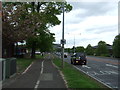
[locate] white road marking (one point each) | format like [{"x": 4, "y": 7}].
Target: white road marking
[
  {"x": 42, "y": 68},
  {"x": 106, "y": 73},
  {"x": 102, "y": 73},
  {"x": 93, "y": 77},
  {"x": 36, "y": 86},
  {"x": 93, "y": 73},
  {"x": 111, "y": 72},
  {"x": 41, "y": 72},
  {"x": 38, "y": 82},
  {"x": 86, "y": 66},
  {"x": 27, "y": 68},
  {"x": 111, "y": 65}
]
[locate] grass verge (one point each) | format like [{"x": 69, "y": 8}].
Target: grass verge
[
  {"x": 23, "y": 63},
  {"x": 75, "y": 78},
  {"x": 39, "y": 57}
]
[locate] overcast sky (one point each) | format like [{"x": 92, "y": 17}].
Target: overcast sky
[{"x": 89, "y": 22}]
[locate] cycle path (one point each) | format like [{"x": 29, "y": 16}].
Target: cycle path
[{"x": 41, "y": 74}]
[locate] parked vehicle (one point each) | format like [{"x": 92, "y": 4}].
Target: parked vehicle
[
  {"x": 37, "y": 53},
  {"x": 79, "y": 58}
]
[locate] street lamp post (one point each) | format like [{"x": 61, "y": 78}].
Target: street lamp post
[{"x": 74, "y": 40}]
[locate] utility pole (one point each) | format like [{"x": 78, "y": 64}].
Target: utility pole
[
  {"x": 119, "y": 18},
  {"x": 63, "y": 38}
]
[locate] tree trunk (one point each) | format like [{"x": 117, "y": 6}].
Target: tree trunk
[
  {"x": 8, "y": 50},
  {"x": 33, "y": 50}
]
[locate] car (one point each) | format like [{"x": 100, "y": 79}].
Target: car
[
  {"x": 79, "y": 58},
  {"x": 37, "y": 53}
]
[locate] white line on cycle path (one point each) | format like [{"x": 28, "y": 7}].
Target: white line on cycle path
[{"x": 41, "y": 72}]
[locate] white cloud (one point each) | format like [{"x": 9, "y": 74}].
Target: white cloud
[{"x": 101, "y": 25}]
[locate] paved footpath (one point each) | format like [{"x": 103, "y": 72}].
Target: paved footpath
[{"x": 41, "y": 74}]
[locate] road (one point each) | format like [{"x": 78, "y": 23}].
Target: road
[{"x": 105, "y": 70}]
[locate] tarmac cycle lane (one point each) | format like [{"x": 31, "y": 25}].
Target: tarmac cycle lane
[{"x": 41, "y": 74}]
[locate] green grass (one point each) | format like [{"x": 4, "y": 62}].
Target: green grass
[
  {"x": 39, "y": 57},
  {"x": 75, "y": 78},
  {"x": 23, "y": 63}
]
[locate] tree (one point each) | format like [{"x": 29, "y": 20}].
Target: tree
[
  {"x": 43, "y": 41},
  {"x": 89, "y": 50},
  {"x": 80, "y": 49},
  {"x": 46, "y": 44},
  {"x": 49, "y": 12},
  {"x": 17, "y": 26},
  {"x": 24, "y": 20},
  {"x": 102, "y": 49},
  {"x": 116, "y": 46},
  {"x": 68, "y": 50},
  {"x": 17, "y": 22}
]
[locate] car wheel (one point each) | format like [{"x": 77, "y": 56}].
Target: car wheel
[{"x": 84, "y": 63}]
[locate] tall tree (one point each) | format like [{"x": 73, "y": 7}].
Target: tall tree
[
  {"x": 17, "y": 25},
  {"x": 24, "y": 20},
  {"x": 116, "y": 46},
  {"x": 102, "y": 49},
  {"x": 89, "y": 50},
  {"x": 80, "y": 49},
  {"x": 49, "y": 12}
]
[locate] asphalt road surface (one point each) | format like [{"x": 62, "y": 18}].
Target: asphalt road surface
[
  {"x": 105, "y": 70},
  {"x": 41, "y": 74}
]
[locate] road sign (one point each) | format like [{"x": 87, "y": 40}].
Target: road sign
[{"x": 63, "y": 41}]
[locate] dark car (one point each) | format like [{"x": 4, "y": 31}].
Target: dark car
[{"x": 79, "y": 58}]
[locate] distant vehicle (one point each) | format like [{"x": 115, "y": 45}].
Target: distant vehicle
[
  {"x": 79, "y": 58},
  {"x": 58, "y": 53},
  {"x": 37, "y": 52}
]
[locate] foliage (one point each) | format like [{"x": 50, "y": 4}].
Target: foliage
[
  {"x": 46, "y": 43},
  {"x": 80, "y": 49},
  {"x": 42, "y": 41},
  {"x": 23, "y": 21},
  {"x": 89, "y": 50},
  {"x": 17, "y": 23},
  {"x": 68, "y": 50},
  {"x": 116, "y": 46},
  {"x": 49, "y": 12},
  {"x": 102, "y": 49}
]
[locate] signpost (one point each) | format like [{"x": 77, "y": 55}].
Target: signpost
[{"x": 63, "y": 40}]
